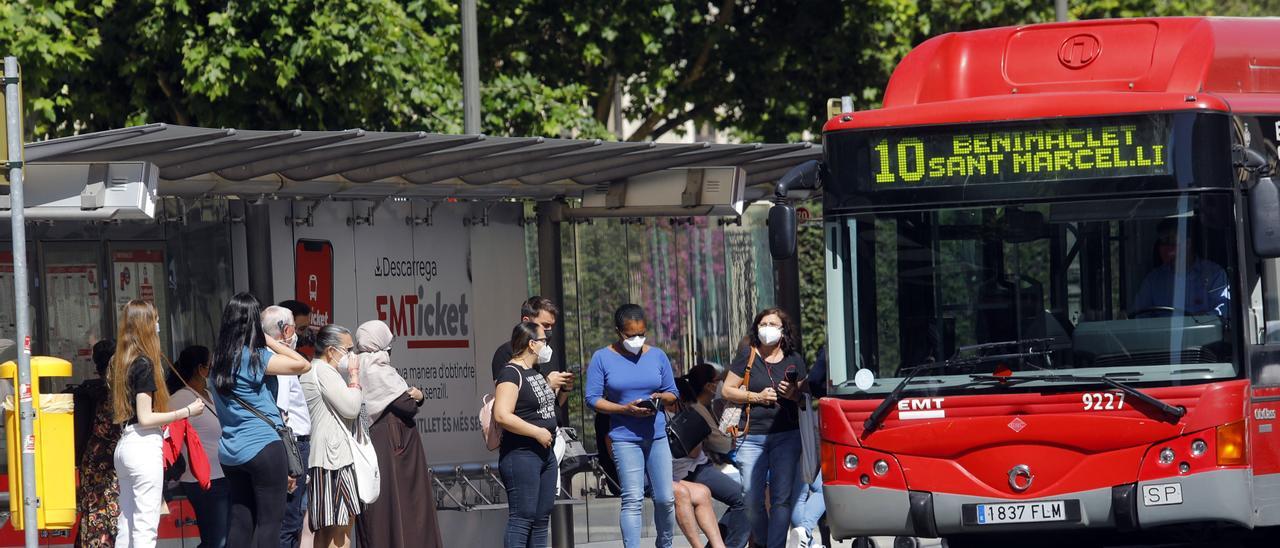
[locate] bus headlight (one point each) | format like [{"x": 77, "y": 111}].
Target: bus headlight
[
  {"x": 1166, "y": 456},
  {"x": 850, "y": 461},
  {"x": 1198, "y": 448},
  {"x": 881, "y": 468}
]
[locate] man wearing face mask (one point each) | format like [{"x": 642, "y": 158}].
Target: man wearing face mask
[
  {"x": 278, "y": 322},
  {"x": 1183, "y": 282},
  {"x": 542, "y": 311}
]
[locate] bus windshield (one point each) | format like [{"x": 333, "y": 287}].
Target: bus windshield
[{"x": 1138, "y": 289}]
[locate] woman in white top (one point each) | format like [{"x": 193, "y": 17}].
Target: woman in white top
[
  {"x": 334, "y": 405},
  {"x": 698, "y": 480},
  {"x": 212, "y": 507}
]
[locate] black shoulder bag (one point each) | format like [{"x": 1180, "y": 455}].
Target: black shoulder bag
[
  {"x": 685, "y": 430},
  {"x": 296, "y": 466}
]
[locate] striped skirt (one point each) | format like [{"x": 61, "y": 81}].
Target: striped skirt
[{"x": 333, "y": 497}]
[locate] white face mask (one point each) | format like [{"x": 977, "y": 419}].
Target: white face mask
[
  {"x": 343, "y": 361},
  {"x": 292, "y": 342},
  {"x": 157, "y": 328},
  {"x": 544, "y": 353},
  {"x": 769, "y": 334},
  {"x": 633, "y": 344}
]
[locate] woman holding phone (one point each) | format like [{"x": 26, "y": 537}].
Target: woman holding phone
[
  {"x": 524, "y": 406},
  {"x": 771, "y": 448},
  {"x": 629, "y": 380}
]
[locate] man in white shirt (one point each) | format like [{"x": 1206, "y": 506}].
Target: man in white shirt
[{"x": 283, "y": 324}]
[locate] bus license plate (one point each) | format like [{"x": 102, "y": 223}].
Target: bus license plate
[{"x": 1021, "y": 512}]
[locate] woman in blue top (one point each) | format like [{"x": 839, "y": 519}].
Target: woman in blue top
[
  {"x": 252, "y": 455},
  {"x": 623, "y": 380}
]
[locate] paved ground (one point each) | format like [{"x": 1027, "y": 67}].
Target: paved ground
[{"x": 596, "y": 526}]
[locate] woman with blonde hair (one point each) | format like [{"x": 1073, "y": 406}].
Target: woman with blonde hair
[{"x": 139, "y": 401}]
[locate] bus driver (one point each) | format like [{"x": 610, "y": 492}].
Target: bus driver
[{"x": 1205, "y": 290}]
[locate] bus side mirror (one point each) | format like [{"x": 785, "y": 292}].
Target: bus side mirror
[
  {"x": 782, "y": 231},
  {"x": 1264, "y": 218},
  {"x": 782, "y": 216}
]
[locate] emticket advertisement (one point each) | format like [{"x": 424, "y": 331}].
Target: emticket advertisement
[{"x": 417, "y": 280}]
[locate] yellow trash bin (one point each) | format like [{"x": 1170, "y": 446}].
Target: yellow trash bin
[{"x": 54, "y": 447}]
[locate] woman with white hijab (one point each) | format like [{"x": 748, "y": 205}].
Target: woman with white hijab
[{"x": 405, "y": 512}]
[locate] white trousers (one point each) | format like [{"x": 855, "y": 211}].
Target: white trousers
[{"x": 139, "y": 461}]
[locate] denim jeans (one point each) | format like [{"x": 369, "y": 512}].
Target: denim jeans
[
  {"x": 634, "y": 459},
  {"x": 728, "y": 491},
  {"x": 213, "y": 508},
  {"x": 809, "y": 505},
  {"x": 769, "y": 460},
  {"x": 295, "y": 502},
  {"x": 530, "y": 478}
]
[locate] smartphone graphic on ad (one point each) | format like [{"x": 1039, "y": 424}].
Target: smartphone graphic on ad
[{"x": 313, "y": 279}]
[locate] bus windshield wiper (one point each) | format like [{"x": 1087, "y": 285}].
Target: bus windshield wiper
[
  {"x": 1175, "y": 411},
  {"x": 878, "y": 415},
  {"x": 881, "y": 410}
]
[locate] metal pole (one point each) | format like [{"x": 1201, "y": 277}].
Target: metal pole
[
  {"x": 26, "y": 423},
  {"x": 257, "y": 228},
  {"x": 470, "y": 70},
  {"x": 787, "y": 287},
  {"x": 1060, "y": 10},
  {"x": 551, "y": 278}
]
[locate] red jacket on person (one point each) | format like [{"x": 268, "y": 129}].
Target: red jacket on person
[{"x": 181, "y": 433}]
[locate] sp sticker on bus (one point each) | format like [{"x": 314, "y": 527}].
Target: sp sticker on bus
[{"x": 921, "y": 408}]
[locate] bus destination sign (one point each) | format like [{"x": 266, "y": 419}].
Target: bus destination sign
[{"x": 1044, "y": 151}]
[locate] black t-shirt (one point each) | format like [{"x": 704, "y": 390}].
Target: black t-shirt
[
  {"x": 502, "y": 356},
  {"x": 141, "y": 379},
  {"x": 535, "y": 403},
  {"x": 783, "y": 416}
]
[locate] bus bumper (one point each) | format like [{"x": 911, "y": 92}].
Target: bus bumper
[{"x": 1214, "y": 496}]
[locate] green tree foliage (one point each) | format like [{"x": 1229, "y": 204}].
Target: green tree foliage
[
  {"x": 763, "y": 69},
  {"x": 314, "y": 64}
]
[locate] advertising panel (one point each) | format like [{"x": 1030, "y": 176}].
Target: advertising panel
[
  {"x": 140, "y": 274},
  {"x": 74, "y": 324},
  {"x": 423, "y": 293},
  {"x": 360, "y": 261}
]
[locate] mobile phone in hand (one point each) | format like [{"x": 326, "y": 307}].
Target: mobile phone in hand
[
  {"x": 791, "y": 376},
  {"x": 650, "y": 404}
]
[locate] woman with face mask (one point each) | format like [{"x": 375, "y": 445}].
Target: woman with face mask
[
  {"x": 140, "y": 401},
  {"x": 405, "y": 512},
  {"x": 771, "y": 448},
  {"x": 524, "y": 406},
  {"x": 334, "y": 404},
  {"x": 630, "y": 381}
]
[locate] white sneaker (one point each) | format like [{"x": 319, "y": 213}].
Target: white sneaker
[{"x": 799, "y": 537}]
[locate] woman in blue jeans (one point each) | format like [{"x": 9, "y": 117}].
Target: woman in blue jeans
[
  {"x": 624, "y": 380},
  {"x": 769, "y": 453},
  {"x": 525, "y": 407}
]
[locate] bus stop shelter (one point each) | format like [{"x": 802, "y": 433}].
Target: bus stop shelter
[{"x": 256, "y": 169}]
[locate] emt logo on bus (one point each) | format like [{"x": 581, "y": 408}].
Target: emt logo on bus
[{"x": 1044, "y": 151}]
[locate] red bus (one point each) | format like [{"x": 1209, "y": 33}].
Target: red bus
[{"x": 1053, "y": 285}]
